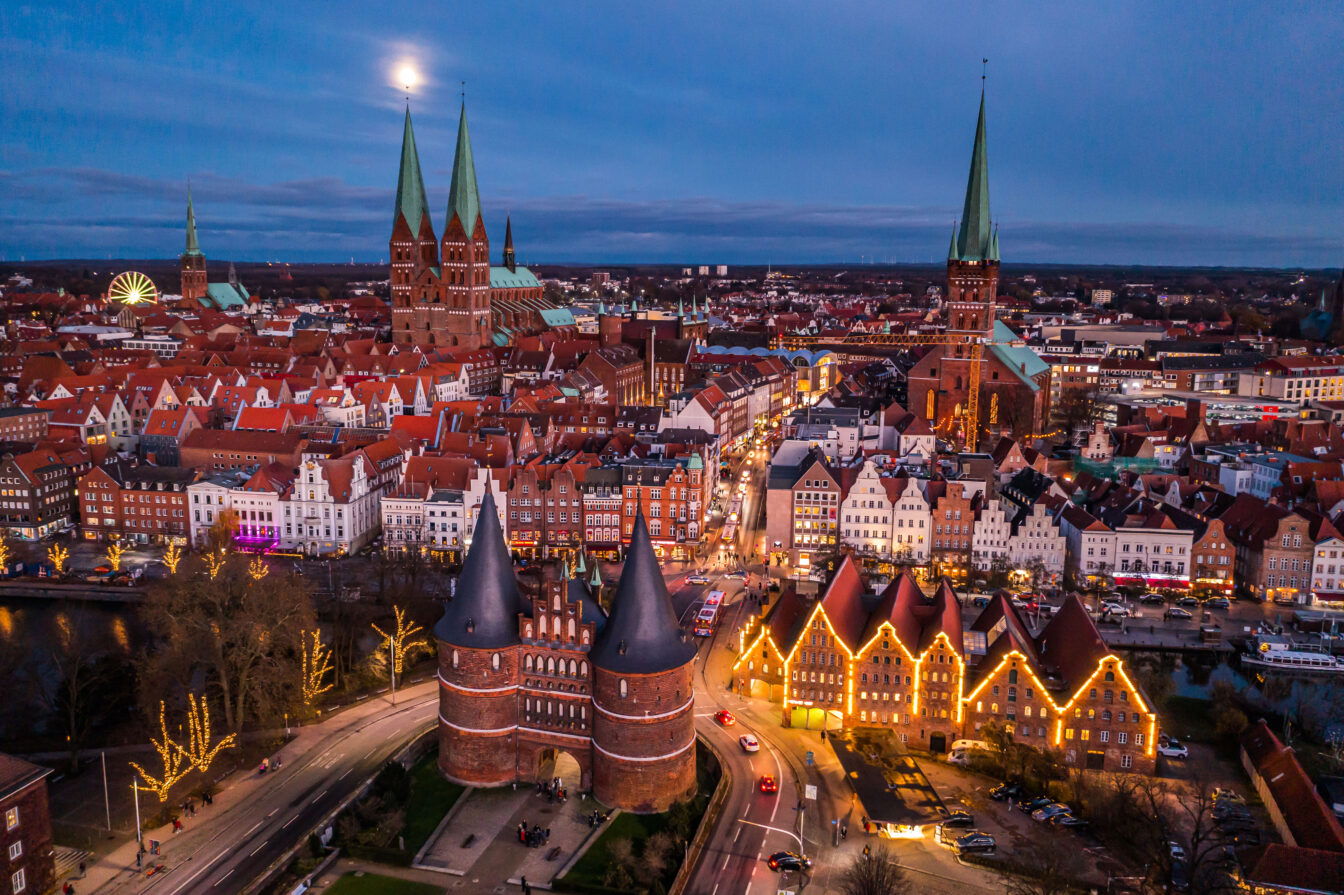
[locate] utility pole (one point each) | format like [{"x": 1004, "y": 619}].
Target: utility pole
[
  {"x": 107, "y": 799},
  {"x": 392, "y": 655},
  {"x": 139, "y": 838}
]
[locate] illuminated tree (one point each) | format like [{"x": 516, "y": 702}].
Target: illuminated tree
[
  {"x": 5, "y": 552},
  {"x": 200, "y": 750},
  {"x": 403, "y": 640},
  {"x": 172, "y": 558},
  {"x": 115, "y": 551},
  {"x": 215, "y": 561},
  {"x": 58, "y": 556},
  {"x": 257, "y": 569},
  {"x": 173, "y": 760},
  {"x": 314, "y": 666}
]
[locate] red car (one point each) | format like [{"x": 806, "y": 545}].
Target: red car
[
  {"x": 769, "y": 784},
  {"x": 725, "y": 718}
]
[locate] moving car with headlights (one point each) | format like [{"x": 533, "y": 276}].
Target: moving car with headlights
[{"x": 749, "y": 743}]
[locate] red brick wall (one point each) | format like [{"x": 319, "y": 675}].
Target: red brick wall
[
  {"x": 34, "y": 831},
  {"x": 467, "y": 756},
  {"x": 634, "y": 784}
]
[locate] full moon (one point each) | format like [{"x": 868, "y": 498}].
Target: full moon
[{"x": 408, "y": 76}]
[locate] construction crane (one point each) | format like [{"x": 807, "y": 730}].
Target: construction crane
[{"x": 975, "y": 354}]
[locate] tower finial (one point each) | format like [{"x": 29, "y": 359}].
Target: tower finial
[{"x": 984, "y": 72}]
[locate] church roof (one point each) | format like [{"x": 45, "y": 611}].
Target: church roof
[
  {"x": 464, "y": 200},
  {"x": 483, "y": 613},
  {"x": 557, "y": 316},
  {"x": 193, "y": 247},
  {"x": 227, "y": 295},
  {"x": 411, "y": 202},
  {"x": 519, "y": 278},
  {"x": 642, "y": 635},
  {"x": 975, "y": 237}
]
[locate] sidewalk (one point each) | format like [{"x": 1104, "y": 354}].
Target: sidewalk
[
  {"x": 488, "y": 861},
  {"x": 116, "y": 871}
]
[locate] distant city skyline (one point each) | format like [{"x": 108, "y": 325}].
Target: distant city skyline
[{"x": 780, "y": 133}]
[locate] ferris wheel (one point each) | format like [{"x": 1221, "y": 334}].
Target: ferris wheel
[{"x": 132, "y": 288}]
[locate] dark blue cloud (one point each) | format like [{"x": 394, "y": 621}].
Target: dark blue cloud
[{"x": 1204, "y": 133}]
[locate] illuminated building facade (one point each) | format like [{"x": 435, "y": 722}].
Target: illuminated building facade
[{"x": 903, "y": 660}]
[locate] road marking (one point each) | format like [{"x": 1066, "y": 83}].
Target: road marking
[
  {"x": 224, "y": 877},
  {"x": 257, "y": 849},
  {"x": 253, "y": 830},
  {"x": 319, "y": 795},
  {"x": 343, "y": 776},
  {"x": 288, "y": 822},
  {"x": 272, "y": 814},
  {"x": 738, "y": 836},
  {"x": 724, "y": 865},
  {"x": 776, "y": 829},
  {"x": 715, "y": 890}
]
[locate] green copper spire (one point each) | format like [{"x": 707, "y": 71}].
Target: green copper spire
[
  {"x": 193, "y": 247},
  {"x": 952, "y": 254},
  {"x": 463, "y": 198},
  {"x": 681, "y": 307},
  {"x": 973, "y": 240},
  {"x": 580, "y": 567},
  {"x": 596, "y": 581},
  {"x": 411, "y": 202},
  {"x": 994, "y": 245}
]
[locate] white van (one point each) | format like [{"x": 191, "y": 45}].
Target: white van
[{"x": 961, "y": 750}]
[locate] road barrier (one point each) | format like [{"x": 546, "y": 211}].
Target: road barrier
[{"x": 707, "y": 823}]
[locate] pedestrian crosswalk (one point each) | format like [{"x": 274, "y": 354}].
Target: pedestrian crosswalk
[{"x": 68, "y": 861}]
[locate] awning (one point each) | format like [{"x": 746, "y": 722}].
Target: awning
[{"x": 1159, "y": 581}]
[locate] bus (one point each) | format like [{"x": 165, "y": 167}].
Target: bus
[{"x": 708, "y": 618}]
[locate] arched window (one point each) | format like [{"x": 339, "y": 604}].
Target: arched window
[
  {"x": 550, "y": 665},
  {"x": 527, "y": 663},
  {"x": 585, "y": 636},
  {"x": 573, "y": 668},
  {"x": 541, "y": 622},
  {"x": 527, "y": 630},
  {"x": 623, "y": 688},
  {"x": 454, "y": 658},
  {"x": 583, "y": 669},
  {"x": 571, "y": 629},
  {"x": 494, "y": 662}
]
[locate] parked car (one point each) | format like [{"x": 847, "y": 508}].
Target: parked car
[
  {"x": 749, "y": 743},
  {"x": 1005, "y": 791},
  {"x": 1155, "y": 599},
  {"x": 697, "y": 578},
  {"x": 1028, "y": 804},
  {"x": 1115, "y": 610},
  {"x": 1177, "y": 851},
  {"x": 1041, "y": 815},
  {"x": 1218, "y": 603},
  {"x": 768, "y": 784},
  {"x": 789, "y": 860},
  {"x": 1177, "y": 612},
  {"x": 960, "y": 819},
  {"x": 1068, "y": 821},
  {"x": 725, "y": 717},
  {"x": 1173, "y": 748},
  {"x": 976, "y": 842},
  {"x": 1180, "y": 876},
  {"x": 1188, "y": 601},
  {"x": 980, "y": 602}
]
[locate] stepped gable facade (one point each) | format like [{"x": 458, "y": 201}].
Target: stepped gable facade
[
  {"x": 523, "y": 680},
  {"x": 904, "y": 660}
]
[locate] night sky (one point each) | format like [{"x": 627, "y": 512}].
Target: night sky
[{"x": 737, "y": 132}]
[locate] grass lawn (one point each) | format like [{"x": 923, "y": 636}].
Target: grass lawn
[
  {"x": 431, "y": 797},
  {"x": 1187, "y": 718},
  {"x": 591, "y": 868},
  {"x": 373, "y": 884}
]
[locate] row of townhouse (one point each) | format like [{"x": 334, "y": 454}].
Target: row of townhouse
[
  {"x": 902, "y": 660},
  {"x": 888, "y": 512}
]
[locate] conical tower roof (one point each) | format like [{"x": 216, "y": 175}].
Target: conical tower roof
[
  {"x": 952, "y": 253},
  {"x": 464, "y": 200},
  {"x": 411, "y": 202},
  {"x": 193, "y": 246},
  {"x": 642, "y": 635},
  {"x": 483, "y": 613},
  {"x": 510, "y": 259},
  {"x": 973, "y": 239}
]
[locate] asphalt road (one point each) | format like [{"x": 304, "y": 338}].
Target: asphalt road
[{"x": 240, "y": 844}]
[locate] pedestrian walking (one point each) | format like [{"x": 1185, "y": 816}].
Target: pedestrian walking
[
  {"x": 139, "y": 858},
  {"x": 81, "y": 869},
  {"x": 527, "y": 890},
  {"x": 844, "y": 831}
]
